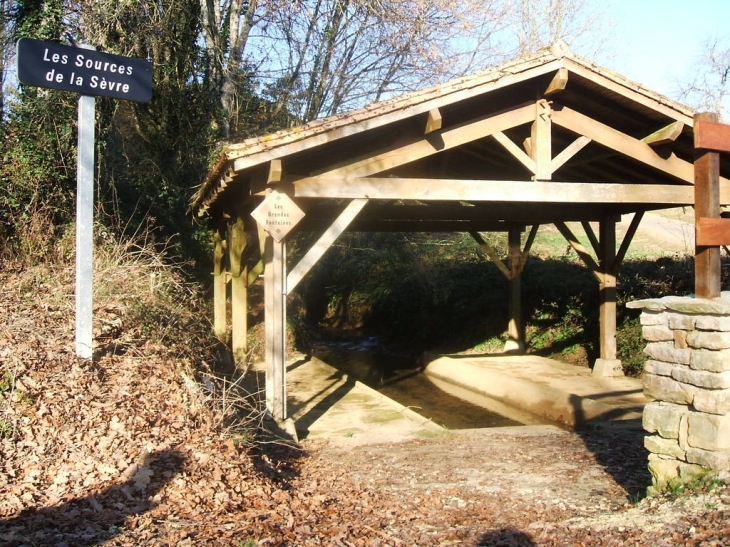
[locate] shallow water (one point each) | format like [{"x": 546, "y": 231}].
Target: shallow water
[{"x": 397, "y": 377}]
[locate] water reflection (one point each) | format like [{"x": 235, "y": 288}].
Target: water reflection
[{"x": 400, "y": 378}]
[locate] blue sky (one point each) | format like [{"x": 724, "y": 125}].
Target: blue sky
[{"x": 658, "y": 42}]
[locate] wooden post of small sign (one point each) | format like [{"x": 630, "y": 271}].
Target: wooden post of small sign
[{"x": 85, "y": 224}]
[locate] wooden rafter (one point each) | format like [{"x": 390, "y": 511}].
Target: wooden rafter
[
  {"x": 384, "y": 160},
  {"x": 666, "y": 134},
  {"x": 558, "y": 83},
  {"x": 622, "y": 143}
]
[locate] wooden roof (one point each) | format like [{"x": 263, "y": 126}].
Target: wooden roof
[{"x": 549, "y": 137}]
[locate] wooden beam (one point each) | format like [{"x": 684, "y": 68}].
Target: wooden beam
[
  {"x": 324, "y": 243},
  {"x": 622, "y": 143},
  {"x": 515, "y": 150},
  {"x": 607, "y": 291},
  {"x": 541, "y": 141},
  {"x": 275, "y": 172},
  {"x": 239, "y": 290},
  {"x": 664, "y": 135},
  {"x": 708, "y": 278},
  {"x": 515, "y": 333},
  {"x": 626, "y": 241},
  {"x": 220, "y": 305},
  {"x": 569, "y": 151},
  {"x": 711, "y": 232},
  {"x": 711, "y": 135},
  {"x": 491, "y": 190},
  {"x": 590, "y": 234},
  {"x": 390, "y": 158},
  {"x": 528, "y": 246},
  {"x": 492, "y": 254},
  {"x": 580, "y": 250},
  {"x": 275, "y": 328},
  {"x": 558, "y": 83},
  {"x": 434, "y": 121}
]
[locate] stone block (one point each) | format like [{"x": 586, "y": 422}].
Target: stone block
[
  {"x": 689, "y": 472},
  {"x": 680, "y": 339},
  {"x": 702, "y": 378},
  {"x": 713, "y": 322},
  {"x": 708, "y": 431},
  {"x": 662, "y": 471},
  {"x": 717, "y": 461},
  {"x": 716, "y": 401},
  {"x": 684, "y": 432},
  {"x": 667, "y": 389},
  {"x": 666, "y": 447},
  {"x": 663, "y": 418},
  {"x": 649, "y": 317},
  {"x": 659, "y": 368},
  {"x": 709, "y": 340},
  {"x": 657, "y": 333},
  {"x": 712, "y": 360},
  {"x": 680, "y": 321},
  {"x": 665, "y": 351}
]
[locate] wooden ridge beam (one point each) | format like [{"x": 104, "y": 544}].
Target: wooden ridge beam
[{"x": 558, "y": 83}]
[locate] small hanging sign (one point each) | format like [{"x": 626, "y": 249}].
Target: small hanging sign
[{"x": 277, "y": 214}]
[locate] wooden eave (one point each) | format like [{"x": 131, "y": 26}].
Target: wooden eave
[{"x": 462, "y": 152}]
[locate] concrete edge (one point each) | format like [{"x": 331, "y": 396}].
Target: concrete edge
[{"x": 544, "y": 401}]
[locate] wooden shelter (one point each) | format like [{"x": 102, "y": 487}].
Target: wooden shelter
[{"x": 548, "y": 139}]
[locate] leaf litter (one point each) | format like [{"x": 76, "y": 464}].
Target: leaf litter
[{"x": 124, "y": 451}]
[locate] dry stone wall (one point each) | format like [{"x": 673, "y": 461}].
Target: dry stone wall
[{"x": 687, "y": 374}]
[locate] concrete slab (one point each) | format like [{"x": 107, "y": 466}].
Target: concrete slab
[
  {"x": 559, "y": 392},
  {"x": 326, "y": 403}
]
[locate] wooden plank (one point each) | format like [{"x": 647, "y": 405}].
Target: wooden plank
[
  {"x": 569, "y": 151},
  {"x": 324, "y": 242},
  {"x": 515, "y": 150},
  {"x": 711, "y": 232},
  {"x": 711, "y": 135},
  {"x": 622, "y": 143},
  {"x": 664, "y": 135},
  {"x": 590, "y": 234},
  {"x": 541, "y": 141},
  {"x": 582, "y": 252},
  {"x": 390, "y": 158},
  {"x": 434, "y": 121},
  {"x": 707, "y": 205},
  {"x": 492, "y": 254},
  {"x": 491, "y": 190},
  {"x": 558, "y": 83}
]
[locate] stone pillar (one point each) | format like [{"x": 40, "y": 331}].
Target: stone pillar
[{"x": 688, "y": 376}]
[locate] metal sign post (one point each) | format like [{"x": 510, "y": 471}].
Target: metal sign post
[
  {"x": 85, "y": 225},
  {"x": 90, "y": 73}
]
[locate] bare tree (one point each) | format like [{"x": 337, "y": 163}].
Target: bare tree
[
  {"x": 709, "y": 88},
  {"x": 536, "y": 24}
]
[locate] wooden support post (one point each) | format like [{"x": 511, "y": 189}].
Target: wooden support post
[
  {"x": 275, "y": 328},
  {"x": 607, "y": 364},
  {"x": 516, "y": 338},
  {"x": 707, "y": 205},
  {"x": 239, "y": 291},
  {"x": 541, "y": 141},
  {"x": 220, "y": 306}
]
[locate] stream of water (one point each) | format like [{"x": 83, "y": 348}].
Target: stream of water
[{"x": 398, "y": 377}]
